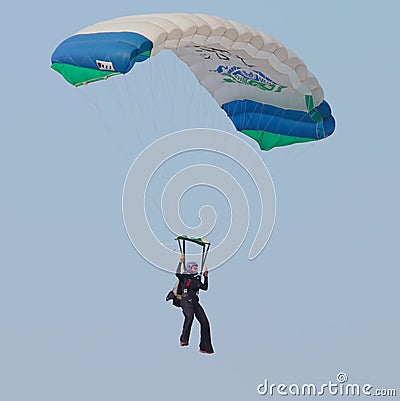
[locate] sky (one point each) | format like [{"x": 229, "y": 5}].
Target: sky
[{"x": 83, "y": 315}]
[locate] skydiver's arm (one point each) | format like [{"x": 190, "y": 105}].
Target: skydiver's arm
[
  {"x": 178, "y": 269},
  {"x": 204, "y": 286}
]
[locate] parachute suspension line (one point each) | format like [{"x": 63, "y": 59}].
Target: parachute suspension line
[
  {"x": 196, "y": 96},
  {"x": 184, "y": 254},
  {"x": 140, "y": 97},
  {"x": 114, "y": 95},
  {"x": 182, "y": 250},
  {"x": 162, "y": 97},
  {"x": 206, "y": 247},
  {"x": 151, "y": 82},
  {"x": 95, "y": 102},
  {"x": 91, "y": 93},
  {"x": 132, "y": 106},
  {"x": 173, "y": 112},
  {"x": 179, "y": 120},
  {"x": 197, "y": 114},
  {"x": 201, "y": 112},
  {"x": 143, "y": 87},
  {"x": 134, "y": 87}
]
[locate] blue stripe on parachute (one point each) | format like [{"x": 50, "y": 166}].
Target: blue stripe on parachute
[
  {"x": 250, "y": 115},
  {"x": 123, "y": 49}
]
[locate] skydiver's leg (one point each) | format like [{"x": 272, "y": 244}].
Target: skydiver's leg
[
  {"x": 205, "y": 332},
  {"x": 188, "y": 312}
]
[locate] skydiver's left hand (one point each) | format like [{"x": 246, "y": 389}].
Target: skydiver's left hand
[{"x": 205, "y": 274}]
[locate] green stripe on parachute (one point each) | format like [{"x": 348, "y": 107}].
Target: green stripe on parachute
[
  {"x": 78, "y": 76},
  {"x": 268, "y": 140}
]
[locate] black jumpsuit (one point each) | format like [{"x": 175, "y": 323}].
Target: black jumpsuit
[{"x": 189, "y": 285}]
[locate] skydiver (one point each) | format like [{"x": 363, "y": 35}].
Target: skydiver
[{"x": 188, "y": 288}]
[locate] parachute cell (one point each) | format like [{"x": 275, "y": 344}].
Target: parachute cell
[{"x": 264, "y": 88}]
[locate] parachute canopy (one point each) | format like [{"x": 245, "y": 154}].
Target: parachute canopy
[{"x": 263, "y": 87}]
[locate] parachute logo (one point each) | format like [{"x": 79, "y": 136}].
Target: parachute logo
[
  {"x": 251, "y": 78},
  {"x": 209, "y": 52},
  {"x": 105, "y": 65}
]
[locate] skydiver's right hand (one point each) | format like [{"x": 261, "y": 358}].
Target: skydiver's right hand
[{"x": 181, "y": 258}]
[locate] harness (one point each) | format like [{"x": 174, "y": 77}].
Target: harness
[{"x": 187, "y": 286}]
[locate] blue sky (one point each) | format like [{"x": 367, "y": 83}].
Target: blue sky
[{"x": 83, "y": 315}]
